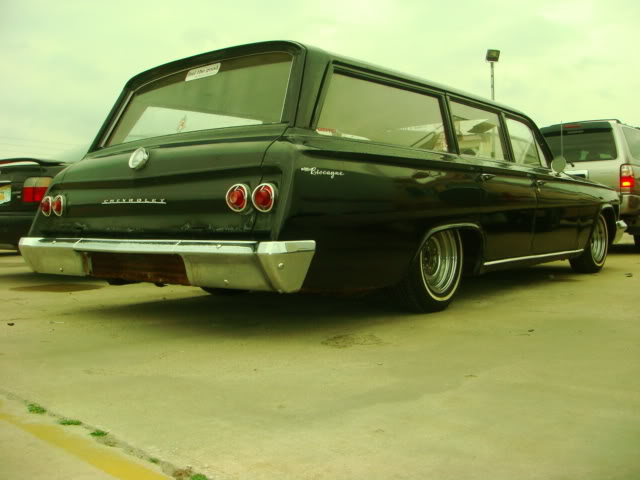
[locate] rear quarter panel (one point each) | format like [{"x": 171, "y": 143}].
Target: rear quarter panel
[{"x": 368, "y": 212}]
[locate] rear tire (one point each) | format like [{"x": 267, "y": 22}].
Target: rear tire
[
  {"x": 636, "y": 239},
  {"x": 592, "y": 259},
  {"x": 434, "y": 275}
]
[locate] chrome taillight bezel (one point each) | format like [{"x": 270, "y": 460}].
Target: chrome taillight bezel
[
  {"x": 269, "y": 186},
  {"x": 62, "y": 205},
  {"x": 246, "y": 193},
  {"x": 46, "y": 200}
]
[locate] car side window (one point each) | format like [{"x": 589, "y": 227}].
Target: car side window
[
  {"x": 478, "y": 131},
  {"x": 633, "y": 140},
  {"x": 523, "y": 143},
  {"x": 366, "y": 110}
]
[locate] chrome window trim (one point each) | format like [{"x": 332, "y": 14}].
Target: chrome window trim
[{"x": 116, "y": 119}]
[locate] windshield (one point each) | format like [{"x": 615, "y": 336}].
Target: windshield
[
  {"x": 241, "y": 91},
  {"x": 583, "y": 145}
]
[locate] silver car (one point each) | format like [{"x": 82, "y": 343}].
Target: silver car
[{"x": 605, "y": 151}]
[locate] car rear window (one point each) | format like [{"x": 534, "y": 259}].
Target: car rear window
[
  {"x": 247, "y": 90},
  {"x": 583, "y": 144},
  {"x": 633, "y": 140}
]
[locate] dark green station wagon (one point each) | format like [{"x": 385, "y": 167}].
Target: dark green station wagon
[{"x": 281, "y": 167}]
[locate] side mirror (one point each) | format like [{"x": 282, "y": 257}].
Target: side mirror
[{"x": 558, "y": 164}]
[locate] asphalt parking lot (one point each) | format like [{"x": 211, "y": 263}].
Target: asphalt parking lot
[{"x": 531, "y": 374}]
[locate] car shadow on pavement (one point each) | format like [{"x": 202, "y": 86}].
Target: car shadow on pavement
[
  {"x": 624, "y": 249},
  {"x": 278, "y": 315},
  {"x": 268, "y": 313},
  {"x": 31, "y": 278},
  {"x": 501, "y": 282}
]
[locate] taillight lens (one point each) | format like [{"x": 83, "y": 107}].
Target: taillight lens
[
  {"x": 264, "y": 196},
  {"x": 627, "y": 180},
  {"x": 238, "y": 197},
  {"x": 45, "y": 206},
  {"x": 57, "y": 205},
  {"x": 34, "y": 189}
]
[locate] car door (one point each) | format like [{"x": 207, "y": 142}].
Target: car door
[
  {"x": 508, "y": 206},
  {"x": 566, "y": 206}
]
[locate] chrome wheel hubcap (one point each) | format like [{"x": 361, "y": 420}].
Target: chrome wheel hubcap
[
  {"x": 439, "y": 260},
  {"x": 599, "y": 241}
]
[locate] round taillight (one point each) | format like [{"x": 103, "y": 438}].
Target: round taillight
[
  {"x": 238, "y": 197},
  {"x": 58, "y": 205},
  {"x": 45, "y": 206},
  {"x": 264, "y": 197}
]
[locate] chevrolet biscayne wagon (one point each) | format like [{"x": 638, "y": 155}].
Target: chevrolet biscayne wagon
[{"x": 281, "y": 167}]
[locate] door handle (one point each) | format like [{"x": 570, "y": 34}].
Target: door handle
[{"x": 484, "y": 177}]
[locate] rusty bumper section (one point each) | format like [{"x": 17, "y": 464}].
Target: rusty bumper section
[{"x": 246, "y": 265}]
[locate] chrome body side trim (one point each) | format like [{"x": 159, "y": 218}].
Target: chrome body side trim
[
  {"x": 246, "y": 265},
  {"x": 447, "y": 226},
  {"x": 531, "y": 257}
]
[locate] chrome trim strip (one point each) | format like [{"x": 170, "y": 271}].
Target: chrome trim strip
[
  {"x": 531, "y": 257},
  {"x": 107, "y": 135},
  {"x": 452, "y": 225},
  {"x": 245, "y": 265},
  {"x": 446, "y": 227},
  {"x": 19, "y": 164}
]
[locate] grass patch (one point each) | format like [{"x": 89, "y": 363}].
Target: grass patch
[
  {"x": 198, "y": 476},
  {"x": 69, "y": 421},
  {"x": 99, "y": 433},
  {"x": 154, "y": 460},
  {"x": 35, "y": 408}
]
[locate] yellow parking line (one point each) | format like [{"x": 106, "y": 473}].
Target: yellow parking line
[{"x": 106, "y": 459}]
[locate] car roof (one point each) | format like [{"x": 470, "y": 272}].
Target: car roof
[{"x": 310, "y": 50}]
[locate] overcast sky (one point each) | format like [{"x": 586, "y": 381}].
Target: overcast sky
[{"x": 65, "y": 62}]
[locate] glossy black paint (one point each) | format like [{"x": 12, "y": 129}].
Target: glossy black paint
[{"x": 368, "y": 206}]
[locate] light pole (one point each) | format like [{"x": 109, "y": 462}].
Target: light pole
[{"x": 492, "y": 57}]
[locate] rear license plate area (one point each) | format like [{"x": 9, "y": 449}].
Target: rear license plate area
[
  {"x": 5, "y": 194},
  {"x": 139, "y": 267}
]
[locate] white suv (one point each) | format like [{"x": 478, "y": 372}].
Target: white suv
[{"x": 605, "y": 151}]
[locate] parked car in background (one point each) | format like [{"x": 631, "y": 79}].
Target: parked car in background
[
  {"x": 23, "y": 183},
  {"x": 608, "y": 152},
  {"x": 281, "y": 167}
]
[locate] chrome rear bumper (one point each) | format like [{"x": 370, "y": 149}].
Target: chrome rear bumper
[{"x": 245, "y": 265}]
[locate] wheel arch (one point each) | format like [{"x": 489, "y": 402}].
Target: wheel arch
[
  {"x": 609, "y": 213},
  {"x": 473, "y": 243}
]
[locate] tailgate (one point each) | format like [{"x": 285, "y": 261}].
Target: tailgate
[{"x": 179, "y": 192}]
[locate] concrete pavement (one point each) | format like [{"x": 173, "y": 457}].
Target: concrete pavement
[{"x": 531, "y": 374}]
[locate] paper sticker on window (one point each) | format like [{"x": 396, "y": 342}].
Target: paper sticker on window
[{"x": 201, "y": 72}]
